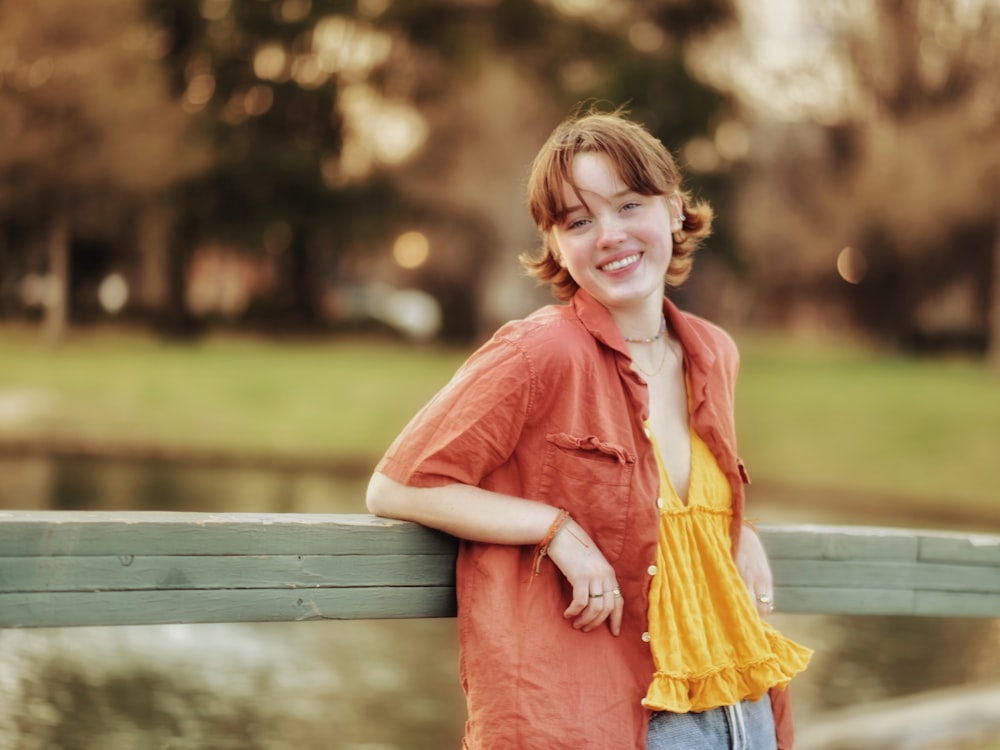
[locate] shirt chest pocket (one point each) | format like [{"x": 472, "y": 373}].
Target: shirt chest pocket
[{"x": 592, "y": 479}]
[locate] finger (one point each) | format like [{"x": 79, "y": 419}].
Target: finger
[
  {"x": 764, "y": 602},
  {"x": 593, "y": 614},
  {"x": 581, "y": 600},
  {"x": 602, "y": 606},
  {"x": 617, "y": 612}
]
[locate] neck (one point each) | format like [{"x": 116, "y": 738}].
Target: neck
[{"x": 640, "y": 324}]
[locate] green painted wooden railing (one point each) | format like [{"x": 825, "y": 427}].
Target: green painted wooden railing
[{"x": 128, "y": 568}]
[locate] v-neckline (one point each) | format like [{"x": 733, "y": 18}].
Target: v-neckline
[{"x": 684, "y": 502}]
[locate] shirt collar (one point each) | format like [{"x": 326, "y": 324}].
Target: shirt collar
[
  {"x": 597, "y": 319},
  {"x": 699, "y": 356},
  {"x": 698, "y": 353}
]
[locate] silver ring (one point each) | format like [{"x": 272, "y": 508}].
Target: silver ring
[
  {"x": 597, "y": 596},
  {"x": 765, "y": 599}
]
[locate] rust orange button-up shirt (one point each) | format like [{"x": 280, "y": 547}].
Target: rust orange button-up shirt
[{"x": 550, "y": 409}]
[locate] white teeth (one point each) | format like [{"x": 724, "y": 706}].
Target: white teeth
[{"x": 616, "y": 264}]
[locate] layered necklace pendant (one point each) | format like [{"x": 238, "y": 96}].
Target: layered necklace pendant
[
  {"x": 659, "y": 367},
  {"x": 651, "y": 340}
]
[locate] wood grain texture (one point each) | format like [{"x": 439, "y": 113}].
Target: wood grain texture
[
  {"x": 65, "y": 609},
  {"x": 124, "y": 568}
]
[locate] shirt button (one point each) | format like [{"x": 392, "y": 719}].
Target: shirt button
[
  {"x": 659, "y": 502},
  {"x": 651, "y": 570},
  {"x": 646, "y": 638}
]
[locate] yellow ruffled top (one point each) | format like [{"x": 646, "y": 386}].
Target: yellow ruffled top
[{"x": 710, "y": 646}]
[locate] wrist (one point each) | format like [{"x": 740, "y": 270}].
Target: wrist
[{"x": 561, "y": 520}]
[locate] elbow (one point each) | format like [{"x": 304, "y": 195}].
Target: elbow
[
  {"x": 378, "y": 495},
  {"x": 388, "y": 498}
]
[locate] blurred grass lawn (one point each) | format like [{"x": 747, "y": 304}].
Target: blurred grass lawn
[
  {"x": 840, "y": 417},
  {"x": 809, "y": 415}
]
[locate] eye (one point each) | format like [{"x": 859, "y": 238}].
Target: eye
[
  {"x": 575, "y": 223},
  {"x": 631, "y": 205}
]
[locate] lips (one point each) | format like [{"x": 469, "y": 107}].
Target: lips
[{"x": 620, "y": 263}]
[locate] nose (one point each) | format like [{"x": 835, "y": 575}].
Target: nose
[{"x": 612, "y": 233}]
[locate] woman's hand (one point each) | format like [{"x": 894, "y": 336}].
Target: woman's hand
[
  {"x": 751, "y": 561},
  {"x": 596, "y": 597}
]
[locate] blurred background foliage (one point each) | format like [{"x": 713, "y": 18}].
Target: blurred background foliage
[
  {"x": 293, "y": 173},
  {"x": 324, "y": 165}
]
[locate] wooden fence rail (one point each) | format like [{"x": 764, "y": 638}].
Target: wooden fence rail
[{"x": 129, "y": 568}]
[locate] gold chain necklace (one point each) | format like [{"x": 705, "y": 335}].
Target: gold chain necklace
[{"x": 654, "y": 373}]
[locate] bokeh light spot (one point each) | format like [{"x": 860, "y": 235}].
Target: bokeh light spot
[
  {"x": 199, "y": 91},
  {"x": 852, "y": 265},
  {"x": 214, "y": 10},
  {"x": 701, "y": 155},
  {"x": 258, "y": 100},
  {"x": 113, "y": 293},
  {"x": 270, "y": 62},
  {"x": 646, "y": 36},
  {"x": 411, "y": 249},
  {"x": 293, "y": 11},
  {"x": 732, "y": 140}
]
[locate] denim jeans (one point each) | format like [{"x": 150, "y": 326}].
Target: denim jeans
[{"x": 749, "y": 725}]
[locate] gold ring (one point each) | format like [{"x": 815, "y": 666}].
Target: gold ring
[
  {"x": 617, "y": 592},
  {"x": 597, "y": 596}
]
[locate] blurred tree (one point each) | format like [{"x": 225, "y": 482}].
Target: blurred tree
[
  {"x": 251, "y": 73},
  {"x": 492, "y": 79},
  {"x": 880, "y": 161},
  {"x": 926, "y": 166},
  {"x": 337, "y": 125},
  {"x": 332, "y": 126},
  {"x": 88, "y": 134}
]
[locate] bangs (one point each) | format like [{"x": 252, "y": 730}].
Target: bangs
[{"x": 641, "y": 162}]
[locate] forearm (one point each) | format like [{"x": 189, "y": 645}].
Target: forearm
[
  {"x": 462, "y": 510},
  {"x": 480, "y": 515}
]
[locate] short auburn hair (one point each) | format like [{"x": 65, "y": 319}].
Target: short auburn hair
[{"x": 642, "y": 162}]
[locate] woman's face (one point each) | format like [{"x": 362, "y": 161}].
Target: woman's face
[{"x": 615, "y": 243}]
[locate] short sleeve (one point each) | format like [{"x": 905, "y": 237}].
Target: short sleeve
[{"x": 471, "y": 426}]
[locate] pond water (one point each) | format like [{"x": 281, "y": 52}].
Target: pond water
[{"x": 352, "y": 685}]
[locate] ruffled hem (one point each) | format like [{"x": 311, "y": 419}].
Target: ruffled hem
[{"x": 730, "y": 684}]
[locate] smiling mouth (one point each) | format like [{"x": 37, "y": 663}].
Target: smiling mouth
[{"x": 617, "y": 265}]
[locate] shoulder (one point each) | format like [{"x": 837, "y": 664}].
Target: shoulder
[
  {"x": 712, "y": 332},
  {"x": 520, "y": 350},
  {"x": 552, "y": 332},
  {"x": 553, "y": 350},
  {"x": 716, "y": 339}
]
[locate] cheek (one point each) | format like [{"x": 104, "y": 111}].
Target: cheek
[{"x": 572, "y": 258}]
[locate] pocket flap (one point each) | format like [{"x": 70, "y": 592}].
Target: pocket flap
[{"x": 590, "y": 443}]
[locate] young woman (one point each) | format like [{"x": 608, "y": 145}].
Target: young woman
[{"x": 609, "y": 594}]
